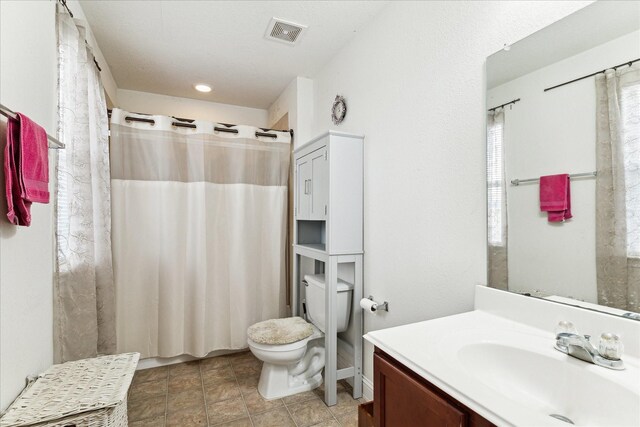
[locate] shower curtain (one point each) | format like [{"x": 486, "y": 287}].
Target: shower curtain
[{"x": 199, "y": 234}]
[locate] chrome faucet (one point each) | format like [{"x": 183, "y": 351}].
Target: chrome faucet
[{"x": 580, "y": 347}]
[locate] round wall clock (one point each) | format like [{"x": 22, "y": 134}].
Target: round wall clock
[{"x": 338, "y": 110}]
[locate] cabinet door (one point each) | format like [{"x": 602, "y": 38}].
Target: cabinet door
[
  {"x": 319, "y": 184},
  {"x": 400, "y": 400},
  {"x": 303, "y": 187}
]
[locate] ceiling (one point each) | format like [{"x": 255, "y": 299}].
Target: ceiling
[
  {"x": 587, "y": 28},
  {"x": 166, "y": 47}
]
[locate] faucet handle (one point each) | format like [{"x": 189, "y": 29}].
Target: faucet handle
[
  {"x": 565, "y": 326},
  {"x": 610, "y": 346}
]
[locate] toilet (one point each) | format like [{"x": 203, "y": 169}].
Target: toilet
[{"x": 292, "y": 349}]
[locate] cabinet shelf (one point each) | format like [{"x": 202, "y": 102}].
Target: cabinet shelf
[{"x": 318, "y": 247}]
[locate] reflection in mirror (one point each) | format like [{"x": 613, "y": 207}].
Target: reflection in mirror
[{"x": 563, "y": 161}]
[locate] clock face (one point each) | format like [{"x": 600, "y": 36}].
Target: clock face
[{"x": 339, "y": 110}]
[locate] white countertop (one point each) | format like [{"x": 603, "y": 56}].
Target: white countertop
[{"x": 438, "y": 350}]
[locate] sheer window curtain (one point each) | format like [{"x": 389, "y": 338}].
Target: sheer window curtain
[
  {"x": 496, "y": 203},
  {"x": 618, "y": 188},
  {"x": 84, "y": 311}
]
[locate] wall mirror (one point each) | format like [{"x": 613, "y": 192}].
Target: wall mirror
[{"x": 553, "y": 110}]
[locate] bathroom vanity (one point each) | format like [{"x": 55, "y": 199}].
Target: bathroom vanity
[
  {"x": 403, "y": 398},
  {"x": 497, "y": 365}
]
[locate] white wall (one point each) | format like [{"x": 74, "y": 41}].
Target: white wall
[
  {"x": 28, "y": 84},
  {"x": 297, "y": 101},
  {"x": 151, "y": 103},
  {"x": 414, "y": 84},
  {"x": 548, "y": 133},
  {"x": 28, "y": 77}
]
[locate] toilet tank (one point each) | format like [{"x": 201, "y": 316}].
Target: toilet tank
[{"x": 315, "y": 299}]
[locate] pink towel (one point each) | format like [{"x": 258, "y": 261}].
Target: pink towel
[
  {"x": 26, "y": 168},
  {"x": 555, "y": 197}
]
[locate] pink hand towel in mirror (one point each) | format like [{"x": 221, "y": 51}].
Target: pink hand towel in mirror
[{"x": 555, "y": 197}]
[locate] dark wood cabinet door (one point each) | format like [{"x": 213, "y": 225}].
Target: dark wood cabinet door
[{"x": 402, "y": 401}]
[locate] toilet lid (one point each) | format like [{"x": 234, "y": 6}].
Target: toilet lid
[{"x": 280, "y": 331}]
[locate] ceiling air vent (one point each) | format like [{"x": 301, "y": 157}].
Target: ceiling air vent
[{"x": 284, "y": 31}]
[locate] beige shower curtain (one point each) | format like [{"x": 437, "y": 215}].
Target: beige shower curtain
[
  {"x": 199, "y": 234},
  {"x": 618, "y": 188}
]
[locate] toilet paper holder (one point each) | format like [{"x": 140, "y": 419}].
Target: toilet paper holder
[{"x": 381, "y": 306}]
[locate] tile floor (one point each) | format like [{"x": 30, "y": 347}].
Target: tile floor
[{"x": 222, "y": 391}]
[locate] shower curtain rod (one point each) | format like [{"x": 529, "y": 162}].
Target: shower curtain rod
[
  {"x": 64, "y": 4},
  {"x": 190, "y": 124},
  {"x": 504, "y": 105},
  {"x": 593, "y": 74}
]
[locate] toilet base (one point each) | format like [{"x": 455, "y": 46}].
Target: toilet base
[
  {"x": 275, "y": 383},
  {"x": 277, "y": 380}
]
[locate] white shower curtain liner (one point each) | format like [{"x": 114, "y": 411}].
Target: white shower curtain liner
[{"x": 199, "y": 234}]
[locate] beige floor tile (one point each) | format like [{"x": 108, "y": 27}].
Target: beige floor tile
[
  {"x": 212, "y": 376},
  {"x": 248, "y": 385},
  {"x": 214, "y": 363},
  {"x": 145, "y": 390},
  {"x": 178, "y": 384},
  {"x": 151, "y": 422},
  {"x": 226, "y": 410},
  {"x": 350, "y": 420},
  {"x": 310, "y": 412},
  {"x": 320, "y": 390},
  {"x": 345, "y": 405},
  {"x": 248, "y": 369},
  {"x": 328, "y": 423},
  {"x": 278, "y": 417},
  {"x": 191, "y": 417},
  {"x": 146, "y": 408},
  {"x": 256, "y": 403},
  {"x": 300, "y": 397},
  {"x": 222, "y": 390},
  {"x": 241, "y": 356},
  {"x": 192, "y": 399},
  {"x": 244, "y": 422},
  {"x": 185, "y": 368},
  {"x": 150, "y": 374}
]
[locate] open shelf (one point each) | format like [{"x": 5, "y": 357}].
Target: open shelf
[{"x": 312, "y": 233}]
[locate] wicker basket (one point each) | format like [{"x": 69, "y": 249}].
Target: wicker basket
[{"x": 84, "y": 393}]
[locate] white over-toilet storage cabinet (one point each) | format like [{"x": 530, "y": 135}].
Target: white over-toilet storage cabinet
[{"x": 328, "y": 232}]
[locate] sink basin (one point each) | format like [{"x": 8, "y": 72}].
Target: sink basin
[
  {"x": 551, "y": 383},
  {"x": 510, "y": 374}
]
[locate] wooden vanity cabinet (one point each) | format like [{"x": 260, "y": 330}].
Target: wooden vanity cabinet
[{"x": 404, "y": 399}]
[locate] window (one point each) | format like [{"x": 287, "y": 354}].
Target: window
[{"x": 495, "y": 184}]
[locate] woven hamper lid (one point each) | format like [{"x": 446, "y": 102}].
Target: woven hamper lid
[
  {"x": 280, "y": 331},
  {"x": 73, "y": 388}
]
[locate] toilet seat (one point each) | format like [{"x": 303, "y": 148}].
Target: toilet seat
[
  {"x": 316, "y": 333},
  {"x": 279, "y": 347},
  {"x": 280, "y": 331}
]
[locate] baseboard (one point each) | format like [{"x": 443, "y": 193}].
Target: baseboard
[
  {"x": 154, "y": 362},
  {"x": 367, "y": 389}
]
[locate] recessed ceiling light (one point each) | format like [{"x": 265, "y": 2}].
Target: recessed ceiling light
[{"x": 203, "y": 88}]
